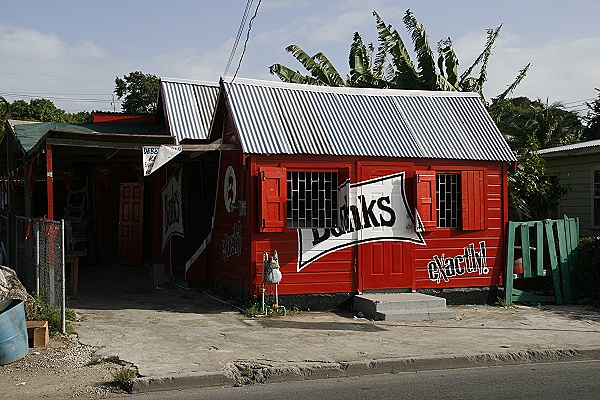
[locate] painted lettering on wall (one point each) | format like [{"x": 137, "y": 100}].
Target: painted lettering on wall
[
  {"x": 172, "y": 216},
  {"x": 232, "y": 244},
  {"x": 470, "y": 262},
  {"x": 229, "y": 188},
  {"x": 370, "y": 211}
]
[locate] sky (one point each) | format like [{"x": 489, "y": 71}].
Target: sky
[{"x": 71, "y": 51}]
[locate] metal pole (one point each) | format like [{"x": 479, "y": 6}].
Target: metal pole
[
  {"x": 36, "y": 232},
  {"x": 64, "y": 291}
]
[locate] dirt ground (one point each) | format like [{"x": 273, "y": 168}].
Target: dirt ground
[{"x": 63, "y": 370}]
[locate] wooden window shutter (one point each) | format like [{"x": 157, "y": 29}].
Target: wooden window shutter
[
  {"x": 273, "y": 192},
  {"x": 426, "y": 206},
  {"x": 473, "y": 200}
]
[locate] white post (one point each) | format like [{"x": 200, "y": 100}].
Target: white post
[{"x": 63, "y": 307}]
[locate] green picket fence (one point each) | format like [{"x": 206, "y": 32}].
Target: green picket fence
[{"x": 559, "y": 241}]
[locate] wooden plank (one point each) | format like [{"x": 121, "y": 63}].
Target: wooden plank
[
  {"x": 539, "y": 243},
  {"x": 519, "y": 295},
  {"x": 208, "y": 147},
  {"x": 526, "y": 250},
  {"x": 93, "y": 144},
  {"x": 510, "y": 262},
  {"x": 553, "y": 260},
  {"x": 573, "y": 224},
  {"x": 563, "y": 261}
]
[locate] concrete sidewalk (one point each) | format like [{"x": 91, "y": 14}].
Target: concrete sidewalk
[{"x": 179, "y": 339}]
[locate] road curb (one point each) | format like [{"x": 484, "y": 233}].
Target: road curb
[
  {"x": 248, "y": 373},
  {"x": 183, "y": 381}
]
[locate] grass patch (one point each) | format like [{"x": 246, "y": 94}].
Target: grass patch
[
  {"x": 254, "y": 310},
  {"x": 123, "y": 376},
  {"x": 43, "y": 312},
  {"x": 109, "y": 359},
  {"x": 504, "y": 304}
]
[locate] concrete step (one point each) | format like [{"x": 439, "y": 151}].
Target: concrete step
[
  {"x": 415, "y": 315},
  {"x": 402, "y": 306}
]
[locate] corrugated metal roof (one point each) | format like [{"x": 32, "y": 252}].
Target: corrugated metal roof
[
  {"x": 30, "y": 134},
  {"x": 189, "y": 107},
  {"x": 283, "y": 118},
  {"x": 590, "y": 145}
]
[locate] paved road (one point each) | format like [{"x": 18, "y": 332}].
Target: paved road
[{"x": 563, "y": 380}]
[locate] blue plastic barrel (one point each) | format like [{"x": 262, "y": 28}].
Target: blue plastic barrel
[{"x": 13, "y": 331}]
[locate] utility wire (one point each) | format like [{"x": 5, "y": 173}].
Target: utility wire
[
  {"x": 246, "y": 41},
  {"x": 239, "y": 35}
]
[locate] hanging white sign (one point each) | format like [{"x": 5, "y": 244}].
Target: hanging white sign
[
  {"x": 154, "y": 157},
  {"x": 172, "y": 210}
]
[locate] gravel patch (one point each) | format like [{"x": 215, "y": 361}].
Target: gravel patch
[{"x": 63, "y": 370}]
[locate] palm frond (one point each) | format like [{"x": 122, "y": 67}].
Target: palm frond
[
  {"x": 447, "y": 61},
  {"x": 311, "y": 65},
  {"x": 484, "y": 56},
  {"x": 423, "y": 51},
  {"x": 290, "y": 76},
  {"x": 358, "y": 60},
  {"x": 443, "y": 84},
  {"x": 513, "y": 85},
  {"x": 333, "y": 76},
  {"x": 390, "y": 42}
]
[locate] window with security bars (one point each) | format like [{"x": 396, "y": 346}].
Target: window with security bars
[
  {"x": 312, "y": 199},
  {"x": 448, "y": 200}
]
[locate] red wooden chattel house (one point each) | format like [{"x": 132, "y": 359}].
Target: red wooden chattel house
[{"x": 357, "y": 190}]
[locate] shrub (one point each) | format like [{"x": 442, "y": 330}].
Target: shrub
[
  {"x": 589, "y": 267},
  {"x": 44, "y": 312},
  {"x": 123, "y": 376}
]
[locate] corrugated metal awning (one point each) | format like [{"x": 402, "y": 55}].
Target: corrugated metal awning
[
  {"x": 283, "y": 118},
  {"x": 189, "y": 107}
]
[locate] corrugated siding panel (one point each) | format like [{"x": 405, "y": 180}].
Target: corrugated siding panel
[
  {"x": 189, "y": 108},
  {"x": 279, "y": 118}
]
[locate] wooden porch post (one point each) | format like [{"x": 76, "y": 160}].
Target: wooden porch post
[{"x": 49, "y": 182}]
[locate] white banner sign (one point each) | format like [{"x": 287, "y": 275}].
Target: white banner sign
[
  {"x": 370, "y": 211},
  {"x": 172, "y": 210},
  {"x": 154, "y": 157}
]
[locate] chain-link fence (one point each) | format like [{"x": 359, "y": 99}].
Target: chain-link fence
[
  {"x": 40, "y": 260},
  {"x": 3, "y": 238}
]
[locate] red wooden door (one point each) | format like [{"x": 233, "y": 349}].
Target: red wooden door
[
  {"x": 131, "y": 211},
  {"x": 385, "y": 263}
]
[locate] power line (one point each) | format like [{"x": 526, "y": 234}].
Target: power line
[
  {"x": 239, "y": 35},
  {"x": 58, "y": 98},
  {"x": 578, "y": 101},
  {"x": 246, "y": 41},
  {"x": 57, "y": 77}
]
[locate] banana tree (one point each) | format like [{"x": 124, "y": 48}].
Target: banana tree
[
  {"x": 393, "y": 66},
  {"x": 322, "y": 71}
]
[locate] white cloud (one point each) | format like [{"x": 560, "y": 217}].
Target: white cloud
[
  {"x": 563, "y": 70},
  {"x": 36, "y": 64}
]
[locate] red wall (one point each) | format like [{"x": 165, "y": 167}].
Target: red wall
[{"x": 398, "y": 264}]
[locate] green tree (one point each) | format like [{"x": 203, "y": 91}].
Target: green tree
[
  {"x": 592, "y": 119},
  {"x": 393, "y": 66},
  {"x": 520, "y": 118},
  {"x": 139, "y": 91},
  {"x": 531, "y": 194},
  {"x": 44, "y": 110},
  {"x": 4, "y": 108}
]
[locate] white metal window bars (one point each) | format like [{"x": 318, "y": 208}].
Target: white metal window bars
[
  {"x": 448, "y": 200},
  {"x": 312, "y": 199}
]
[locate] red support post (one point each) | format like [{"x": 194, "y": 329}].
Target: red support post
[{"x": 49, "y": 182}]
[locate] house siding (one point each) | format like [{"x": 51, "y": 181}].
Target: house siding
[{"x": 576, "y": 173}]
